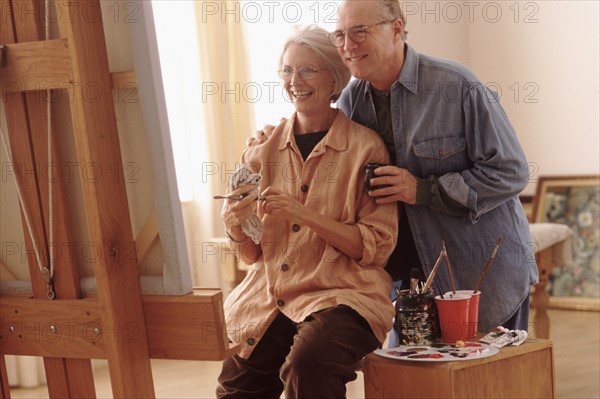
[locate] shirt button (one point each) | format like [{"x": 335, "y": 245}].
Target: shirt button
[
  {"x": 285, "y": 267},
  {"x": 251, "y": 341},
  {"x": 280, "y": 302},
  {"x": 295, "y": 228},
  {"x": 304, "y": 188}
]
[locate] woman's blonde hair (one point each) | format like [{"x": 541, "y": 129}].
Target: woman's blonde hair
[{"x": 315, "y": 38}]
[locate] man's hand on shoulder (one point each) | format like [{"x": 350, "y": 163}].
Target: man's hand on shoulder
[{"x": 261, "y": 136}]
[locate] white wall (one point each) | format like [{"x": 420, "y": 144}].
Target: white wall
[
  {"x": 543, "y": 58},
  {"x": 435, "y": 28},
  {"x": 558, "y": 57}
]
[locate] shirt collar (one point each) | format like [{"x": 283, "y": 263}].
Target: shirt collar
[
  {"x": 409, "y": 74},
  {"x": 335, "y": 138}
]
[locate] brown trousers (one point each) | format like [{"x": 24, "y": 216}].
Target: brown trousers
[{"x": 313, "y": 359}]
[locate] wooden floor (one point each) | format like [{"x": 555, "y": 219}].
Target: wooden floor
[{"x": 575, "y": 334}]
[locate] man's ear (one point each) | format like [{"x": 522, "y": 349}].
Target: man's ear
[{"x": 398, "y": 28}]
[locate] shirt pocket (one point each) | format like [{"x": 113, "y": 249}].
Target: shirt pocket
[{"x": 441, "y": 155}]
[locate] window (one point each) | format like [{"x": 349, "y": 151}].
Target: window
[{"x": 268, "y": 25}]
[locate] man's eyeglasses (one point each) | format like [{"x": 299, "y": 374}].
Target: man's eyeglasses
[
  {"x": 358, "y": 34},
  {"x": 305, "y": 72}
]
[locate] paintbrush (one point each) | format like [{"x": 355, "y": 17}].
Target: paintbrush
[
  {"x": 398, "y": 290},
  {"x": 488, "y": 264},
  {"x": 429, "y": 281},
  {"x": 448, "y": 266},
  {"x": 237, "y": 197},
  {"x": 414, "y": 280}
]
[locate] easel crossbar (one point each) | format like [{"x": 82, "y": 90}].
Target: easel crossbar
[
  {"x": 188, "y": 327},
  {"x": 35, "y": 66}
]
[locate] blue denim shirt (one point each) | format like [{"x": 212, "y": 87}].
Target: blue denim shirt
[{"x": 446, "y": 123}]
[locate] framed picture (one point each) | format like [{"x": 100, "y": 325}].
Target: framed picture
[{"x": 574, "y": 201}]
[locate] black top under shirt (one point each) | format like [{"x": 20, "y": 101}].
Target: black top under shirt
[
  {"x": 429, "y": 193},
  {"x": 383, "y": 110},
  {"x": 405, "y": 255},
  {"x": 306, "y": 142}
]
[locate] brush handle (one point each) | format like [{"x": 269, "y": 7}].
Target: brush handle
[
  {"x": 447, "y": 260},
  {"x": 449, "y": 272},
  {"x": 488, "y": 264},
  {"x": 429, "y": 281}
]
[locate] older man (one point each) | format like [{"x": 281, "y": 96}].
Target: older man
[{"x": 458, "y": 164}]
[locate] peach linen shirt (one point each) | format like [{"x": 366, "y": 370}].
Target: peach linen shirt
[{"x": 299, "y": 273}]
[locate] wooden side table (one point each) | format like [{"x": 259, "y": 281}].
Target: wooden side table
[{"x": 525, "y": 371}]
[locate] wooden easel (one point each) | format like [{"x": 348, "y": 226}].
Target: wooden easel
[{"x": 119, "y": 324}]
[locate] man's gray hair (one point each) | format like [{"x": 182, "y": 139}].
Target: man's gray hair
[{"x": 392, "y": 10}]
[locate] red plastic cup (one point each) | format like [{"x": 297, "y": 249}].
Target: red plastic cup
[
  {"x": 453, "y": 311},
  {"x": 473, "y": 311}
]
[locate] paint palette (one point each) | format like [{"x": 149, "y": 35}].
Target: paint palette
[{"x": 439, "y": 352}]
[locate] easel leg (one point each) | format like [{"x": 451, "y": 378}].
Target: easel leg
[
  {"x": 4, "y": 388},
  {"x": 69, "y": 378}
]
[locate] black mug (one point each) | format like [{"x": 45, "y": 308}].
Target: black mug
[{"x": 370, "y": 173}]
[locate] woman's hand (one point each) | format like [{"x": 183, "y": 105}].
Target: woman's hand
[
  {"x": 280, "y": 204},
  {"x": 346, "y": 238},
  {"x": 235, "y": 212}
]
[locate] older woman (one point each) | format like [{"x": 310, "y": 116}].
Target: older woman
[{"x": 317, "y": 298}]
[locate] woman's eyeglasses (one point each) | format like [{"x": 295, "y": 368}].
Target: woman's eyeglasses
[
  {"x": 305, "y": 72},
  {"x": 358, "y": 34}
]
